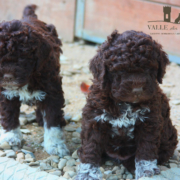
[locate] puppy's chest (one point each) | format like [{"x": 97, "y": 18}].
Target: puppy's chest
[
  {"x": 123, "y": 126},
  {"x": 24, "y": 95}
]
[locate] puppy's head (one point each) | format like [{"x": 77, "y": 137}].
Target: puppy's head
[
  {"x": 25, "y": 46},
  {"x": 129, "y": 66}
]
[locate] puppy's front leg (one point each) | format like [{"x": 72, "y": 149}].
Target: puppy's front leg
[
  {"x": 9, "y": 110},
  {"x": 90, "y": 152},
  {"x": 148, "y": 139},
  {"x": 53, "y": 118}
]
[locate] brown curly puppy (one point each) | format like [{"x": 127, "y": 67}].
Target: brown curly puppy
[
  {"x": 127, "y": 116},
  {"x": 29, "y": 73}
]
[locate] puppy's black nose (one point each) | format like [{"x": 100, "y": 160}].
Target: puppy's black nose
[
  {"x": 137, "y": 91},
  {"x": 8, "y": 77}
]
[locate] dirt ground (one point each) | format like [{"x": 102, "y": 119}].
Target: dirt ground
[{"x": 74, "y": 69}]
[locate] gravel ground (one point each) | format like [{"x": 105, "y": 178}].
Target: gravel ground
[{"x": 74, "y": 68}]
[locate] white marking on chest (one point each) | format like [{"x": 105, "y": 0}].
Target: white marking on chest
[
  {"x": 127, "y": 119},
  {"x": 23, "y": 94}
]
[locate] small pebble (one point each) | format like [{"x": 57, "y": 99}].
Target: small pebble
[
  {"x": 124, "y": 176},
  {"x": 29, "y": 160},
  {"x": 62, "y": 163},
  {"x": 54, "y": 158},
  {"x": 67, "y": 157},
  {"x": 102, "y": 169},
  {"x": 173, "y": 161},
  {"x": 112, "y": 177},
  {"x": 57, "y": 173},
  {"x": 68, "y": 168},
  {"x": 74, "y": 155},
  {"x": 28, "y": 152},
  {"x": 79, "y": 130},
  {"x": 15, "y": 148},
  {"x": 27, "y": 148},
  {"x": 23, "y": 121},
  {"x": 115, "y": 168},
  {"x": 11, "y": 154},
  {"x": 30, "y": 117},
  {"x": 62, "y": 178},
  {"x": 129, "y": 176},
  {"x": 76, "y": 134},
  {"x": 66, "y": 175},
  {"x": 109, "y": 163},
  {"x": 176, "y": 102},
  {"x": 71, "y": 173},
  {"x": 175, "y": 155},
  {"x": 5, "y": 145},
  {"x": 108, "y": 172},
  {"x": 76, "y": 140},
  {"x": 172, "y": 165},
  {"x": 71, "y": 162},
  {"x": 69, "y": 129},
  {"x": 119, "y": 176},
  {"x": 67, "y": 117},
  {"x": 20, "y": 157},
  {"x": 25, "y": 131},
  {"x": 45, "y": 166},
  {"x": 77, "y": 118},
  {"x": 2, "y": 154},
  {"x": 27, "y": 156},
  {"x": 163, "y": 168},
  {"x": 34, "y": 163},
  {"x": 54, "y": 165},
  {"x": 120, "y": 171}
]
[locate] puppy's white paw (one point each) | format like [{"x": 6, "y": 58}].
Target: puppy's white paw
[
  {"x": 146, "y": 168},
  {"x": 54, "y": 143},
  {"x": 54, "y": 148},
  {"x": 88, "y": 172},
  {"x": 13, "y": 137}
]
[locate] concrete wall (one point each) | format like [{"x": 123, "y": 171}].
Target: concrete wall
[
  {"x": 100, "y": 19},
  {"x": 61, "y": 13}
]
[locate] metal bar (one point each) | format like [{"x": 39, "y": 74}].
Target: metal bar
[
  {"x": 173, "y": 58},
  {"x": 91, "y": 36},
  {"x": 79, "y": 23}
]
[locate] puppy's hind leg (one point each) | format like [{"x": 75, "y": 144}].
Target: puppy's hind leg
[
  {"x": 129, "y": 164},
  {"x": 168, "y": 144},
  {"x": 53, "y": 123},
  {"x": 39, "y": 117},
  {"x": 9, "y": 110}
]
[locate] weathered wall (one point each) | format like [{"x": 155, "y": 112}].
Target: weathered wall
[
  {"x": 61, "y": 13},
  {"x": 102, "y": 18}
]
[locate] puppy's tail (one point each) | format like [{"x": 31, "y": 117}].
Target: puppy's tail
[{"x": 29, "y": 11}]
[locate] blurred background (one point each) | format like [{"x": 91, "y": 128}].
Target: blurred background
[
  {"x": 93, "y": 20},
  {"x": 83, "y": 25}
]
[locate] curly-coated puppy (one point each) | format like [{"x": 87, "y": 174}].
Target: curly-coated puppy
[
  {"x": 127, "y": 116},
  {"x": 29, "y": 73}
]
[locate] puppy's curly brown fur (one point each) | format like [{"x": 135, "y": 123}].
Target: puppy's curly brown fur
[
  {"x": 127, "y": 116},
  {"x": 29, "y": 67}
]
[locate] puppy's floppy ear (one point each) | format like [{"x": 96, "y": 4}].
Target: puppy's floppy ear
[
  {"x": 99, "y": 70},
  {"x": 163, "y": 61}
]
